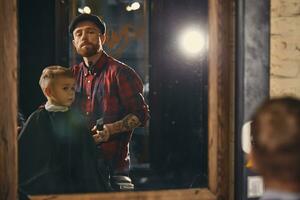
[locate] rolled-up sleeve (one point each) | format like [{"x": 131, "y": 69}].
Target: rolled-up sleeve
[{"x": 130, "y": 88}]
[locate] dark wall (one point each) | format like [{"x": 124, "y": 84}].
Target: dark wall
[
  {"x": 36, "y": 50},
  {"x": 43, "y": 41},
  {"x": 178, "y": 90}
]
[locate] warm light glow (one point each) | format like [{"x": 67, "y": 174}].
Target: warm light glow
[
  {"x": 128, "y": 8},
  {"x": 135, "y": 6},
  {"x": 87, "y": 10},
  {"x": 192, "y": 41},
  {"x": 80, "y": 10}
]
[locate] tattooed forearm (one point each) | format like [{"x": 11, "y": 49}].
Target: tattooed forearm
[{"x": 128, "y": 123}]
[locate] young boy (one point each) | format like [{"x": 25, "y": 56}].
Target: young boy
[
  {"x": 276, "y": 147},
  {"x": 56, "y": 152}
]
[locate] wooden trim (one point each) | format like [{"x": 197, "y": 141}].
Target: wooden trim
[
  {"x": 212, "y": 101},
  {"x": 191, "y": 194},
  {"x": 8, "y": 99},
  {"x": 220, "y": 100},
  {"x": 219, "y": 116},
  {"x": 220, "y": 34}
]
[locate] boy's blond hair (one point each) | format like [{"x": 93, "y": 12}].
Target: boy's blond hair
[{"x": 50, "y": 73}]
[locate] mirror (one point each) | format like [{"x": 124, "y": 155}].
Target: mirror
[{"x": 172, "y": 151}]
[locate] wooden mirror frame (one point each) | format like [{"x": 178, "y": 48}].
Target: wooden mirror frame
[{"x": 220, "y": 118}]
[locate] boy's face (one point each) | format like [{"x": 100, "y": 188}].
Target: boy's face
[{"x": 62, "y": 91}]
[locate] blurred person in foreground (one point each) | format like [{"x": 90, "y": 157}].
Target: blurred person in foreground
[{"x": 276, "y": 147}]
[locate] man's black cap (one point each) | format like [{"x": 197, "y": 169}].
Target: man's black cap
[{"x": 87, "y": 17}]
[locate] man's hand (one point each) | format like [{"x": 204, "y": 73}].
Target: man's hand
[
  {"x": 101, "y": 136},
  {"x": 128, "y": 123}
]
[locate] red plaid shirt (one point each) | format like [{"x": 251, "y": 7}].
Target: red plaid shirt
[{"x": 111, "y": 90}]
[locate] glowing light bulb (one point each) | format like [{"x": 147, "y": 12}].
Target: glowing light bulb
[
  {"x": 80, "y": 10},
  {"x": 128, "y": 8},
  {"x": 192, "y": 41},
  {"x": 87, "y": 9},
  {"x": 135, "y": 6}
]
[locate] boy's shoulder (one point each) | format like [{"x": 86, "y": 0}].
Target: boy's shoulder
[
  {"x": 36, "y": 122},
  {"x": 41, "y": 114},
  {"x": 41, "y": 111}
]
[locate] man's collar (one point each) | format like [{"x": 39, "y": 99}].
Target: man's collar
[
  {"x": 97, "y": 67},
  {"x": 88, "y": 61}
]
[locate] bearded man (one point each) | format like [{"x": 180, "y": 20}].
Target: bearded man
[{"x": 109, "y": 90}]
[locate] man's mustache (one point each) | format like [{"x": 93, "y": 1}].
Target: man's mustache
[{"x": 85, "y": 43}]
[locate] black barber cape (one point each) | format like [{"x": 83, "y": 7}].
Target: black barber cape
[{"x": 58, "y": 155}]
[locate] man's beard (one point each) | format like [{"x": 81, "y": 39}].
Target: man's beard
[{"x": 88, "y": 51}]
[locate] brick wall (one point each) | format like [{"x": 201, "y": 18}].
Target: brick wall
[{"x": 285, "y": 48}]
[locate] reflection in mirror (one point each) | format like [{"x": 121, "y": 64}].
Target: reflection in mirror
[
  {"x": 166, "y": 44},
  {"x": 178, "y": 93}
]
